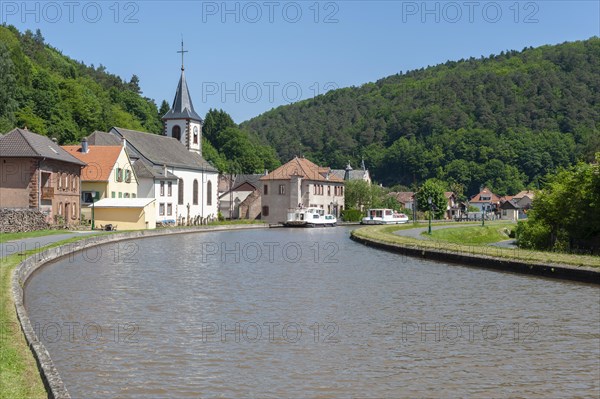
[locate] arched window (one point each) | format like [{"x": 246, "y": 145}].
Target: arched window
[
  {"x": 195, "y": 194},
  {"x": 180, "y": 192},
  {"x": 176, "y": 132},
  {"x": 209, "y": 193}
]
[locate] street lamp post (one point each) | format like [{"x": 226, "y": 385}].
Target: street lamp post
[
  {"x": 483, "y": 215},
  {"x": 93, "y": 202},
  {"x": 429, "y": 201}
]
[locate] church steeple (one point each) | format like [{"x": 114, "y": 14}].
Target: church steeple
[{"x": 182, "y": 122}]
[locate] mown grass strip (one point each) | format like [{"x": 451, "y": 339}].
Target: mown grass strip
[{"x": 385, "y": 234}]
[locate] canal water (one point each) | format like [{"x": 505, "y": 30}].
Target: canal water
[{"x": 307, "y": 313}]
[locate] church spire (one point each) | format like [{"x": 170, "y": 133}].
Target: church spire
[{"x": 182, "y": 107}]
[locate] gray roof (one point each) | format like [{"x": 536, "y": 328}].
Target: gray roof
[
  {"x": 25, "y": 144},
  {"x": 145, "y": 170},
  {"x": 253, "y": 180},
  {"x": 103, "y": 138},
  {"x": 163, "y": 150},
  {"x": 354, "y": 174},
  {"x": 182, "y": 104}
]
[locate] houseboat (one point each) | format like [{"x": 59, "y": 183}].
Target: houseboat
[
  {"x": 384, "y": 216},
  {"x": 310, "y": 217}
]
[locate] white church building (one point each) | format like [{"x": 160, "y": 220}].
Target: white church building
[{"x": 170, "y": 167}]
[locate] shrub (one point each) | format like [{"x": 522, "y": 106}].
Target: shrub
[
  {"x": 351, "y": 215},
  {"x": 534, "y": 236}
]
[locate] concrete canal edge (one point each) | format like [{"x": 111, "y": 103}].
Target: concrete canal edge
[
  {"x": 557, "y": 271},
  {"x": 54, "y": 384}
]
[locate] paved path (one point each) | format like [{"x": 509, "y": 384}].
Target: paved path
[
  {"x": 12, "y": 247},
  {"x": 417, "y": 233}
]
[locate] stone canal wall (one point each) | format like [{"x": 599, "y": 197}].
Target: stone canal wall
[
  {"x": 565, "y": 272},
  {"x": 50, "y": 376}
]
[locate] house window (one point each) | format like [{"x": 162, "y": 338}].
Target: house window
[
  {"x": 169, "y": 209},
  {"x": 60, "y": 212},
  {"x": 133, "y": 195},
  {"x": 113, "y": 194},
  {"x": 127, "y": 176},
  {"x": 180, "y": 192},
  {"x": 265, "y": 211},
  {"x": 195, "y": 193},
  {"x": 59, "y": 180},
  {"x": 74, "y": 213},
  {"x": 209, "y": 193},
  {"x": 161, "y": 209},
  {"x": 87, "y": 197},
  {"x": 126, "y": 195},
  {"x": 120, "y": 194},
  {"x": 329, "y": 190},
  {"x": 75, "y": 181},
  {"x": 119, "y": 174},
  {"x": 266, "y": 189},
  {"x": 282, "y": 189},
  {"x": 162, "y": 188},
  {"x": 170, "y": 189},
  {"x": 176, "y": 132}
]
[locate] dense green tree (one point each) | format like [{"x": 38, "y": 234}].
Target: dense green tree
[
  {"x": 8, "y": 103},
  {"x": 432, "y": 189},
  {"x": 566, "y": 211}
]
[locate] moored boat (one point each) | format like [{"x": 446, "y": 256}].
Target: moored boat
[
  {"x": 310, "y": 217},
  {"x": 384, "y": 216}
]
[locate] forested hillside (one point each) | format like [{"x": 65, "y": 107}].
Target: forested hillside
[
  {"x": 505, "y": 121},
  {"x": 54, "y": 95}
]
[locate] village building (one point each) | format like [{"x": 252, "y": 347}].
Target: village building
[
  {"x": 108, "y": 174},
  {"x": 405, "y": 198},
  {"x": 36, "y": 173},
  {"x": 515, "y": 207},
  {"x": 243, "y": 201},
  {"x": 300, "y": 184},
  {"x": 349, "y": 173},
  {"x": 454, "y": 209},
  {"x": 125, "y": 213},
  {"x": 485, "y": 201}
]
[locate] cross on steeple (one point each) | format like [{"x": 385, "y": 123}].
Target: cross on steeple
[{"x": 182, "y": 51}]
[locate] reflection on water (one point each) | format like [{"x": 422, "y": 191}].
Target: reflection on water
[{"x": 308, "y": 313}]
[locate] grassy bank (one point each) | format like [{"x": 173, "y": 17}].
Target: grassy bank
[
  {"x": 385, "y": 234},
  {"x": 5, "y": 237},
  {"x": 19, "y": 375},
  {"x": 473, "y": 235}
]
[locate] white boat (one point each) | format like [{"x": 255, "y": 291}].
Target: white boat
[
  {"x": 310, "y": 217},
  {"x": 384, "y": 216}
]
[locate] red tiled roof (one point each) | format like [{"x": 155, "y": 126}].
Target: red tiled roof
[
  {"x": 100, "y": 160},
  {"x": 486, "y": 192},
  {"x": 304, "y": 168},
  {"x": 403, "y": 196}
]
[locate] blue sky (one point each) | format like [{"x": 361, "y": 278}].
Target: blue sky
[{"x": 249, "y": 57}]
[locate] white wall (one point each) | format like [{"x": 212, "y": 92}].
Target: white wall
[{"x": 202, "y": 208}]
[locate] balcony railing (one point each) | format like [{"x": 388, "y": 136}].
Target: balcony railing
[{"x": 47, "y": 193}]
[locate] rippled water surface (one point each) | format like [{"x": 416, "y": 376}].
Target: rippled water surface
[{"x": 307, "y": 313}]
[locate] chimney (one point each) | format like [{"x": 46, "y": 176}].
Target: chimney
[
  {"x": 347, "y": 171},
  {"x": 124, "y": 142},
  {"x": 165, "y": 170},
  {"x": 84, "y": 145}
]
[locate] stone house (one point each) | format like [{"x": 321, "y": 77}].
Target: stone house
[
  {"x": 36, "y": 173},
  {"x": 300, "y": 183},
  {"x": 243, "y": 201}
]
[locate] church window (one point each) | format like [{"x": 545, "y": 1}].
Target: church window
[
  {"x": 209, "y": 193},
  {"x": 195, "y": 193},
  {"x": 176, "y": 132},
  {"x": 180, "y": 192}
]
